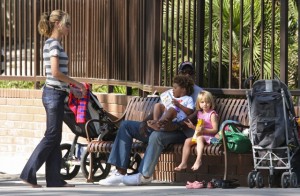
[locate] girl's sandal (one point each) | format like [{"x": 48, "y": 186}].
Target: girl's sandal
[
  {"x": 199, "y": 185},
  {"x": 210, "y": 185},
  {"x": 189, "y": 185}
]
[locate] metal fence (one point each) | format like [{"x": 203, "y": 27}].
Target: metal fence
[{"x": 139, "y": 43}]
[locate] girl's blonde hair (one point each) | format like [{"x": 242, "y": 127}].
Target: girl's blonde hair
[
  {"x": 207, "y": 97},
  {"x": 46, "y": 23}
]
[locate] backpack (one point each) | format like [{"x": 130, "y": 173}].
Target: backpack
[{"x": 237, "y": 142}]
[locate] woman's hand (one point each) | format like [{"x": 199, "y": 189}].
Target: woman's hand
[
  {"x": 78, "y": 91},
  {"x": 82, "y": 89}
]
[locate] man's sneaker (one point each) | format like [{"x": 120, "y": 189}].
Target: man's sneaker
[
  {"x": 136, "y": 179},
  {"x": 115, "y": 179}
]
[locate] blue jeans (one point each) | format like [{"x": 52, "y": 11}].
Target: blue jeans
[
  {"x": 48, "y": 150},
  {"x": 157, "y": 141}
]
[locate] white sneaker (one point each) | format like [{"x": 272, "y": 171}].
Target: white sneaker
[
  {"x": 115, "y": 179},
  {"x": 136, "y": 179}
]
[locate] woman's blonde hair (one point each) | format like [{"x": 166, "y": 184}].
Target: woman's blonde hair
[
  {"x": 207, "y": 97},
  {"x": 47, "y": 21}
]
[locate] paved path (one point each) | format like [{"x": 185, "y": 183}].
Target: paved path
[{"x": 11, "y": 185}]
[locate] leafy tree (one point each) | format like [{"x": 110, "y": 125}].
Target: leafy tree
[{"x": 265, "y": 51}]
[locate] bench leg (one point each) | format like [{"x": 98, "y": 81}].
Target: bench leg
[
  {"x": 225, "y": 163},
  {"x": 91, "y": 174}
]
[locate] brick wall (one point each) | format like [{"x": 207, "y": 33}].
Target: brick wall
[
  {"x": 212, "y": 167},
  {"x": 22, "y": 124}
]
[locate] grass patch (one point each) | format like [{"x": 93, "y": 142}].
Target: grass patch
[
  {"x": 96, "y": 88},
  {"x": 16, "y": 84}
]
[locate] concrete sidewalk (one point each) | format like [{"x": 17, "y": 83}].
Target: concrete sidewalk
[{"x": 11, "y": 185}]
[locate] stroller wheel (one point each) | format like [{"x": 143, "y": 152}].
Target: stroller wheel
[
  {"x": 251, "y": 179},
  {"x": 259, "y": 180},
  {"x": 285, "y": 181},
  {"x": 293, "y": 180},
  {"x": 69, "y": 167},
  {"x": 101, "y": 168}
]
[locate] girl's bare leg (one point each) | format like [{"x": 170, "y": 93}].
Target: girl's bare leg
[
  {"x": 185, "y": 155},
  {"x": 200, "y": 147}
]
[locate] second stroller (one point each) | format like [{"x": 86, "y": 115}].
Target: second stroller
[{"x": 273, "y": 132}]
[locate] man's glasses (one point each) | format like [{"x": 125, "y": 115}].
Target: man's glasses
[{"x": 190, "y": 72}]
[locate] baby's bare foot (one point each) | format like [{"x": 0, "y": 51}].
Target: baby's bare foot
[
  {"x": 154, "y": 126},
  {"x": 150, "y": 122}
]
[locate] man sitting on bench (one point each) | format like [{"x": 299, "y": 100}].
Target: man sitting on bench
[{"x": 156, "y": 140}]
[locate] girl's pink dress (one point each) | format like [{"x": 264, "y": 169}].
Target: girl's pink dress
[{"x": 207, "y": 123}]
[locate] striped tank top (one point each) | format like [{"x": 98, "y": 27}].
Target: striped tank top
[{"x": 53, "y": 48}]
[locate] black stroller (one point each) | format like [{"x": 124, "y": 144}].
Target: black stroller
[
  {"x": 75, "y": 155},
  {"x": 273, "y": 133}
]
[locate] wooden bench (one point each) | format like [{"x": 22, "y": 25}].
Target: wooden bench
[{"x": 138, "y": 108}]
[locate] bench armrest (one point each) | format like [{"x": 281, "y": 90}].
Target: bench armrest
[
  {"x": 102, "y": 134},
  {"x": 224, "y": 139}
]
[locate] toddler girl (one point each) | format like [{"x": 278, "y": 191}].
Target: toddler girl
[{"x": 204, "y": 132}]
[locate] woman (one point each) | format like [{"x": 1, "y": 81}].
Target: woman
[{"x": 54, "y": 26}]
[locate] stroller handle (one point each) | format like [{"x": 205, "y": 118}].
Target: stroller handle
[{"x": 246, "y": 82}]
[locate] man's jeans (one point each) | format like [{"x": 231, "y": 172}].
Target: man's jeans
[{"x": 157, "y": 141}]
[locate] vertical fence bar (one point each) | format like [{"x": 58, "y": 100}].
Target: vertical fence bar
[
  {"x": 210, "y": 46},
  {"x": 177, "y": 32},
  {"x": 262, "y": 42},
  {"x": 19, "y": 39},
  {"x": 220, "y": 67},
  {"x": 284, "y": 40},
  {"x": 183, "y": 28},
  {"x": 37, "y": 13},
  {"x": 15, "y": 39},
  {"x": 166, "y": 40},
  {"x": 200, "y": 41},
  {"x": 194, "y": 32},
  {"x": 32, "y": 66},
  {"x": 273, "y": 39},
  {"x": 241, "y": 43},
  {"x": 251, "y": 38},
  {"x": 25, "y": 22},
  {"x": 172, "y": 42},
  {"x": 230, "y": 44},
  {"x": 188, "y": 42}
]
